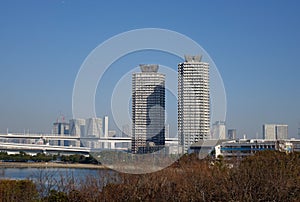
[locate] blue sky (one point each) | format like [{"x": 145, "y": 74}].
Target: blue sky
[{"x": 255, "y": 45}]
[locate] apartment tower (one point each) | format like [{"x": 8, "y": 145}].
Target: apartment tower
[
  {"x": 193, "y": 101},
  {"x": 148, "y": 110}
]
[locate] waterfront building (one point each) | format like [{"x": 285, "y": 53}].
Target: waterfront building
[
  {"x": 243, "y": 147},
  {"x": 148, "y": 110},
  {"x": 247, "y": 147},
  {"x": 193, "y": 101}
]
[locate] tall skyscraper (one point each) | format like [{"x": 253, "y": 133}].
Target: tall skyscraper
[
  {"x": 275, "y": 131},
  {"x": 219, "y": 130},
  {"x": 193, "y": 101},
  {"x": 148, "y": 110},
  {"x": 93, "y": 127}
]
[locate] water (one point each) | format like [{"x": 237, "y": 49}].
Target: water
[
  {"x": 61, "y": 179},
  {"x": 31, "y": 173}
]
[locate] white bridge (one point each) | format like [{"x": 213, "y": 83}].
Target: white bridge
[
  {"x": 64, "y": 137},
  {"x": 12, "y": 148},
  {"x": 6, "y": 143}
]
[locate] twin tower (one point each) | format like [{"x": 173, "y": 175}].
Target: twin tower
[{"x": 148, "y": 106}]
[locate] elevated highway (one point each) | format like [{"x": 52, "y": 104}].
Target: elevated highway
[{"x": 8, "y": 143}]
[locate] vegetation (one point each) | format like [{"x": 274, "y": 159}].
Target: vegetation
[
  {"x": 18, "y": 190},
  {"x": 76, "y": 158},
  {"x": 41, "y": 157},
  {"x": 267, "y": 176}
]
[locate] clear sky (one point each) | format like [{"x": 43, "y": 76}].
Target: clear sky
[{"x": 255, "y": 45}]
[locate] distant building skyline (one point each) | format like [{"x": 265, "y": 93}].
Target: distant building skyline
[{"x": 44, "y": 43}]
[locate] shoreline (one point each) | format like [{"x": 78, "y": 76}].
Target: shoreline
[{"x": 50, "y": 165}]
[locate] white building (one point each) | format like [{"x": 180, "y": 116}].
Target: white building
[
  {"x": 219, "y": 130},
  {"x": 281, "y": 131},
  {"x": 106, "y": 126},
  {"x": 232, "y": 134},
  {"x": 269, "y": 131},
  {"x": 77, "y": 127},
  {"x": 193, "y": 101},
  {"x": 148, "y": 110},
  {"x": 93, "y": 127},
  {"x": 60, "y": 128},
  {"x": 275, "y": 131}
]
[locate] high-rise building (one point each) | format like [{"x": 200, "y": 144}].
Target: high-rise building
[
  {"x": 281, "y": 131},
  {"x": 93, "y": 127},
  {"x": 148, "y": 110},
  {"x": 77, "y": 127},
  {"x": 232, "y": 134},
  {"x": 60, "y": 128},
  {"x": 219, "y": 130},
  {"x": 193, "y": 101},
  {"x": 269, "y": 131},
  {"x": 275, "y": 131}
]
